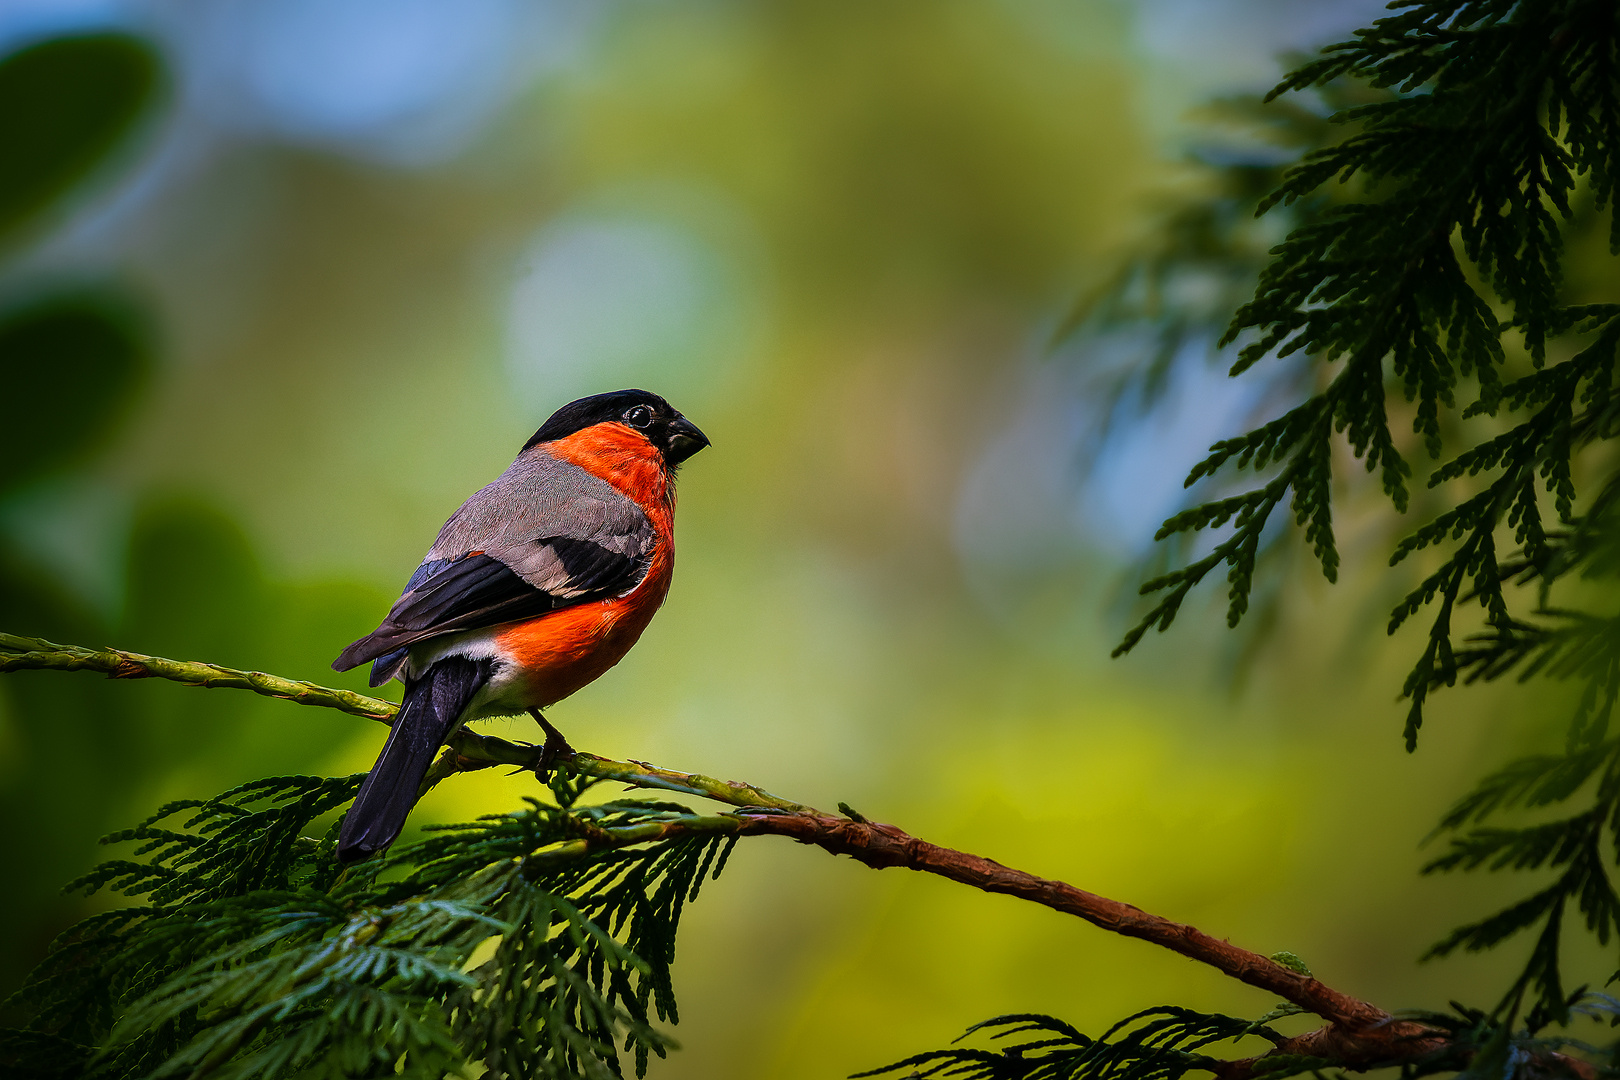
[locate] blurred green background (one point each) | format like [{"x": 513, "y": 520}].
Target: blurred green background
[{"x": 286, "y": 283}]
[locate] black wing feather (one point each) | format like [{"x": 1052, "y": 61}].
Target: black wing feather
[
  {"x": 593, "y": 568},
  {"x": 478, "y": 590}
]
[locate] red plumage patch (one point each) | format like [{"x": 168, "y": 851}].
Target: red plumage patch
[
  {"x": 562, "y": 651},
  {"x": 624, "y": 458}
]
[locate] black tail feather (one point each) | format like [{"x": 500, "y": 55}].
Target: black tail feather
[{"x": 427, "y": 715}]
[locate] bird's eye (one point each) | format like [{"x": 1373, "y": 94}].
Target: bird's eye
[{"x": 639, "y": 417}]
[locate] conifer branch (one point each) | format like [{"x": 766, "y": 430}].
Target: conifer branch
[{"x": 1359, "y": 1033}]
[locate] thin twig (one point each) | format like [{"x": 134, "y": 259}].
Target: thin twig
[{"x": 23, "y": 653}]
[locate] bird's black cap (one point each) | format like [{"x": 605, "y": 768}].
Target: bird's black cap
[{"x": 676, "y": 436}]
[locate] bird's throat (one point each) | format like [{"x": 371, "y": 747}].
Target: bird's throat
[{"x": 624, "y": 458}]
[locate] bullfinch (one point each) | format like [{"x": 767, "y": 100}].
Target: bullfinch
[{"x": 537, "y": 585}]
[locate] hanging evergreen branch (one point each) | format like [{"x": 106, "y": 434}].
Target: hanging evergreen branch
[
  {"x": 1165, "y": 1043},
  {"x": 1477, "y": 151},
  {"x": 1422, "y": 274}
]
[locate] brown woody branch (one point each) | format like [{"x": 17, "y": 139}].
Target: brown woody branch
[
  {"x": 1358, "y": 1035},
  {"x": 884, "y": 846}
]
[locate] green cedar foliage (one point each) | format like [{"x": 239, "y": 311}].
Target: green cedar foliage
[
  {"x": 1157, "y": 1044},
  {"x": 1421, "y": 282},
  {"x": 1166, "y": 1043},
  {"x": 251, "y": 954}
]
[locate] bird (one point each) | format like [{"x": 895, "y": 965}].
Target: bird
[{"x": 534, "y": 588}]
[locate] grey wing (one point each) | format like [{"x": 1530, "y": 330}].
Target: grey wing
[{"x": 540, "y": 538}]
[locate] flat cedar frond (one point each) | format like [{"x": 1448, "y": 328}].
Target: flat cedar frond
[
  {"x": 1164, "y": 1043},
  {"x": 1156, "y": 1044},
  {"x": 253, "y": 957},
  {"x": 1553, "y": 844},
  {"x": 1542, "y": 780},
  {"x": 1467, "y": 164},
  {"x": 1574, "y": 844}
]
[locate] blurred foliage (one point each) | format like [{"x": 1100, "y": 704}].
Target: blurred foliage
[
  {"x": 1185, "y": 279},
  {"x": 67, "y": 105},
  {"x": 75, "y": 361},
  {"x": 72, "y": 363}
]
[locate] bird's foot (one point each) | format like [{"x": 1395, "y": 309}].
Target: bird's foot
[{"x": 556, "y": 747}]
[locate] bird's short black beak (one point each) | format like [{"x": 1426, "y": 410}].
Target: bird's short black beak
[{"x": 683, "y": 440}]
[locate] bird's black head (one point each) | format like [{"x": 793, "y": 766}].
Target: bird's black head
[{"x": 676, "y": 437}]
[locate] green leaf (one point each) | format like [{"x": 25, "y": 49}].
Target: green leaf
[
  {"x": 70, "y": 364},
  {"x": 65, "y": 106}
]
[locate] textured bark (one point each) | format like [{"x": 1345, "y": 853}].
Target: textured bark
[{"x": 884, "y": 846}]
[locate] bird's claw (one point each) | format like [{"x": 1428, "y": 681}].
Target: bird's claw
[
  {"x": 556, "y": 749},
  {"x": 550, "y": 754}
]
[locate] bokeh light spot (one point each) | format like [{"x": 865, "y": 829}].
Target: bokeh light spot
[{"x": 606, "y": 302}]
